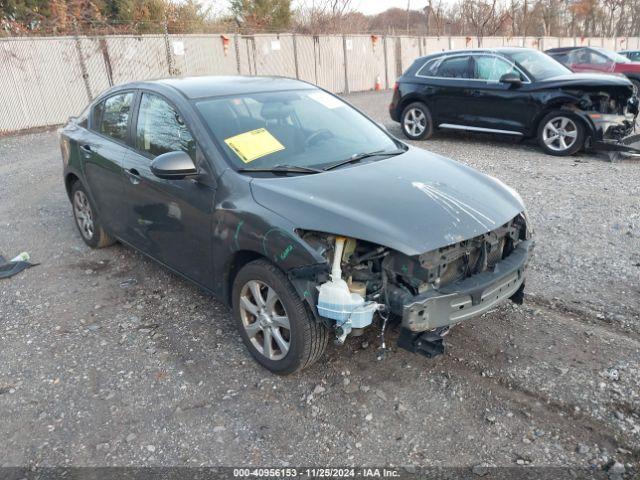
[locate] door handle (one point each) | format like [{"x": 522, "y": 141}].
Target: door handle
[
  {"x": 134, "y": 175},
  {"x": 86, "y": 149}
]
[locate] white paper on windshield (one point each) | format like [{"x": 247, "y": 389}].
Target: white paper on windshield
[{"x": 325, "y": 99}]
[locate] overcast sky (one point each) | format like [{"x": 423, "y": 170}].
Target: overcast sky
[{"x": 365, "y": 6}]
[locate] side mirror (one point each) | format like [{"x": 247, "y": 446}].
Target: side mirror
[
  {"x": 511, "y": 78},
  {"x": 173, "y": 166}
]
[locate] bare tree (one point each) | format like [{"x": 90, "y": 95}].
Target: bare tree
[{"x": 483, "y": 16}]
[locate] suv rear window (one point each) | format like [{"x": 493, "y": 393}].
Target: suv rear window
[{"x": 446, "y": 67}]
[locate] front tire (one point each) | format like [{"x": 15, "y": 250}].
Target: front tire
[
  {"x": 274, "y": 322},
  {"x": 561, "y": 133},
  {"x": 416, "y": 121},
  {"x": 87, "y": 220}
]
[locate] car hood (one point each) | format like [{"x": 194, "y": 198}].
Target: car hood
[
  {"x": 414, "y": 202},
  {"x": 586, "y": 80}
]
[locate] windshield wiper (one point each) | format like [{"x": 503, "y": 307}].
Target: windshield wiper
[
  {"x": 282, "y": 169},
  {"x": 361, "y": 156}
]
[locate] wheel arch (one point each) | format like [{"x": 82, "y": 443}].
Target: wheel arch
[
  {"x": 235, "y": 263},
  {"x": 409, "y": 99},
  {"x": 303, "y": 278},
  {"x": 69, "y": 180},
  {"x": 568, "y": 107}
]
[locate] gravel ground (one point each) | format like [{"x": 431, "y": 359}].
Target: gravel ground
[{"x": 101, "y": 370}]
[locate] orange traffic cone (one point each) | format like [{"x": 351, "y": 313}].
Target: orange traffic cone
[{"x": 378, "y": 85}]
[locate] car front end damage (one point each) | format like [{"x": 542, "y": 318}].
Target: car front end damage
[
  {"x": 426, "y": 293},
  {"x": 610, "y": 117}
]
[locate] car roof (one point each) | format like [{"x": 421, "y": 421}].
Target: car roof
[
  {"x": 563, "y": 49},
  {"x": 499, "y": 50},
  {"x": 213, "y": 86}
]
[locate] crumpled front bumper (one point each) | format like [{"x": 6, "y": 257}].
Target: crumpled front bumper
[
  {"x": 611, "y": 127},
  {"x": 609, "y": 131},
  {"x": 469, "y": 297}
]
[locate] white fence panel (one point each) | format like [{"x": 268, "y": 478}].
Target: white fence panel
[
  {"x": 365, "y": 62},
  {"x": 246, "y": 49},
  {"x": 436, "y": 44},
  {"x": 204, "y": 55},
  {"x": 410, "y": 48},
  {"x": 330, "y": 63},
  {"x": 392, "y": 61},
  {"x": 98, "y": 75},
  {"x": 567, "y": 42},
  {"x": 306, "y": 50},
  {"x": 463, "y": 43},
  {"x": 621, "y": 43},
  {"x": 549, "y": 42},
  {"x": 492, "y": 42},
  {"x": 275, "y": 55},
  {"x": 138, "y": 58},
  {"x": 41, "y": 82}
]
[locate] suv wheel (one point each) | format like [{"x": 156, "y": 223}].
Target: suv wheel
[
  {"x": 416, "y": 121},
  {"x": 87, "y": 221},
  {"x": 275, "y": 324},
  {"x": 561, "y": 133}
]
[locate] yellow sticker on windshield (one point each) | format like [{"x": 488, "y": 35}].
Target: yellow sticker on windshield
[{"x": 254, "y": 144}]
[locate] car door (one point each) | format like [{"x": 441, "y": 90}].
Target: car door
[
  {"x": 168, "y": 219},
  {"x": 103, "y": 148},
  {"x": 495, "y": 105},
  {"x": 448, "y": 84}
]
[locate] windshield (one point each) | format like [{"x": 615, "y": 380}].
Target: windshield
[
  {"x": 299, "y": 128},
  {"x": 613, "y": 56},
  {"x": 540, "y": 65}
]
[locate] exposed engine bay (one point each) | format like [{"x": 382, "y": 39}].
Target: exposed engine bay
[
  {"x": 612, "y": 113},
  {"x": 367, "y": 278}
]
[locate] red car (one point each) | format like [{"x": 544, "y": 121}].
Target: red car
[{"x": 593, "y": 59}]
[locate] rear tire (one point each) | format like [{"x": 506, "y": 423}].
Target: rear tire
[
  {"x": 561, "y": 133},
  {"x": 275, "y": 323},
  {"x": 87, "y": 220},
  {"x": 416, "y": 121}
]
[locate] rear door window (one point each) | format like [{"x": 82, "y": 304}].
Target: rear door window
[
  {"x": 456, "y": 67},
  {"x": 111, "y": 116}
]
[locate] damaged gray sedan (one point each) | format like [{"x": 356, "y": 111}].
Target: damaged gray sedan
[{"x": 296, "y": 209}]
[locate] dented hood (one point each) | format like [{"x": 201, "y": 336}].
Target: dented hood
[{"x": 414, "y": 202}]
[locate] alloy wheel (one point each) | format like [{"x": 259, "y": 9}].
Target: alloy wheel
[
  {"x": 83, "y": 214},
  {"x": 265, "y": 320},
  {"x": 415, "y": 122},
  {"x": 560, "y": 133}
]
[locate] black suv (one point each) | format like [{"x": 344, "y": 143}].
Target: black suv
[{"x": 513, "y": 91}]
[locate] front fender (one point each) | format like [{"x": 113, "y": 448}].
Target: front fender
[{"x": 243, "y": 231}]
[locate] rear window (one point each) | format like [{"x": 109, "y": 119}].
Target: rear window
[
  {"x": 111, "y": 116},
  {"x": 446, "y": 67}
]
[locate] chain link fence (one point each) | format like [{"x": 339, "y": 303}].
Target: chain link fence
[{"x": 44, "y": 80}]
